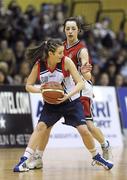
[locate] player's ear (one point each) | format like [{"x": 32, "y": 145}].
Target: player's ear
[
  {"x": 50, "y": 53},
  {"x": 63, "y": 29},
  {"x": 79, "y": 30}
]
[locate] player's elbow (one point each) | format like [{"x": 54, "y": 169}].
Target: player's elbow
[
  {"x": 82, "y": 84},
  {"x": 27, "y": 87}
]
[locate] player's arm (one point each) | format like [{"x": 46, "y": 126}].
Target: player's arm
[
  {"x": 86, "y": 67},
  {"x": 32, "y": 79},
  {"x": 70, "y": 66}
]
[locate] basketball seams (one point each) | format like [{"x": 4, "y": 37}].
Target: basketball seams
[
  {"x": 52, "y": 90},
  {"x": 53, "y": 85}
]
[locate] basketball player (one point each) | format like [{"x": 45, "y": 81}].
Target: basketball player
[
  {"x": 77, "y": 51},
  {"x": 54, "y": 66}
]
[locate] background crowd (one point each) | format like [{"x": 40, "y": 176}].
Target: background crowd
[{"x": 19, "y": 30}]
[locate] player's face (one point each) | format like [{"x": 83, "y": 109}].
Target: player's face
[
  {"x": 58, "y": 54},
  {"x": 71, "y": 30}
]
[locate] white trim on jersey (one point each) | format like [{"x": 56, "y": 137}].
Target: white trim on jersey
[
  {"x": 65, "y": 89},
  {"x": 43, "y": 72},
  {"x": 59, "y": 70},
  {"x": 68, "y": 47}
]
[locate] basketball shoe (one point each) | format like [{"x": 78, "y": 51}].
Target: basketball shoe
[
  {"x": 35, "y": 163},
  {"x": 101, "y": 161},
  {"x": 22, "y": 165},
  {"x": 106, "y": 151}
]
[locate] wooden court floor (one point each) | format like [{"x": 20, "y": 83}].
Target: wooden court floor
[{"x": 64, "y": 164}]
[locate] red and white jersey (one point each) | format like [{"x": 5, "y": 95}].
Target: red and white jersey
[
  {"x": 59, "y": 74},
  {"x": 74, "y": 53}
]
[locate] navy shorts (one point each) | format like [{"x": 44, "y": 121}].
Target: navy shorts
[{"x": 71, "y": 111}]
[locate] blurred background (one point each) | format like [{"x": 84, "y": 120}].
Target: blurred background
[{"x": 25, "y": 23}]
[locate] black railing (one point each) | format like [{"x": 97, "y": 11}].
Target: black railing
[
  {"x": 100, "y": 10},
  {"x": 113, "y": 11},
  {"x": 74, "y": 3},
  {"x": 109, "y": 11}
]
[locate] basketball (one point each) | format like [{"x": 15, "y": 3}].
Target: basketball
[{"x": 51, "y": 91}]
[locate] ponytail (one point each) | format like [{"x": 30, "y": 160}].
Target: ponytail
[
  {"x": 41, "y": 51},
  {"x": 37, "y": 52}
]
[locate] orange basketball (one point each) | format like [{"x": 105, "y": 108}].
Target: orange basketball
[{"x": 51, "y": 91}]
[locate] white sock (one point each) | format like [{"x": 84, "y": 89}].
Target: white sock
[
  {"x": 104, "y": 144},
  {"x": 28, "y": 152},
  {"x": 93, "y": 152},
  {"x": 38, "y": 152}
]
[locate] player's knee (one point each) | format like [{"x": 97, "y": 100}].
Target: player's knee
[
  {"x": 83, "y": 130},
  {"x": 91, "y": 127},
  {"x": 41, "y": 126}
]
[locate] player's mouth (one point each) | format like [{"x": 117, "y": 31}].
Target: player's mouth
[
  {"x": 59, "y": 60},
  {"x": 70, "y": 36}
]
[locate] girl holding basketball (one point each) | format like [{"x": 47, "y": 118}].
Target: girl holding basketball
[
  {"x": 53, "y": 64},
  {"x": 77, "y": 51}
]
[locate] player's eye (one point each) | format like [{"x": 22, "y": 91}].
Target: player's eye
[{"x": 67, "y": 29}]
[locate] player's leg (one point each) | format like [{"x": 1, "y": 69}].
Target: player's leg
[
  {"x": 75, "y": 117},
  {"x": 95, "y": 131},
  {"x": 48, "y": 118},
  {"x": 35, "y": 139},
  {"x": 36, "y": 161},
  {"x": 89, "y": 143},
  {"x": 98, "y": 135}
]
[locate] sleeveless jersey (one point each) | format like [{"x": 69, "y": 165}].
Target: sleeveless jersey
[
  {"x": 59, "y": 74},
  {"x": 74, "y": 53}
]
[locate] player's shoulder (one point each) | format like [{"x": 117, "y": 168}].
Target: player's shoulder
[
  {"x": 82, "y": 43},
  {"x": 67, "y": 58},
  {"x": 68, "y": 61}
]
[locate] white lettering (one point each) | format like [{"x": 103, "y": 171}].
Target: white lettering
[
  {"x": 103, "y": 123},
  {"x": 14, "y": 139},
  {"x": 101, "y": 109},
  {"x": 20, "y": 139},
  {"x": 22, "y": 101},
  {"x": 11, "y": 103},
  {"x": 4, "y": 140},
  {"x": 14, "y": 104}
]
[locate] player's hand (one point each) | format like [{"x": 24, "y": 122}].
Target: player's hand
[
  {"x": 64, "y": 98},
  {"x": 41, "y": 87},
  {"x": 86, "y": 68}
]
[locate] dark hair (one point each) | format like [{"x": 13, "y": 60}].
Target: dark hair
[
  {"x": 41, "y": 51},
  {"x": 80, "y": 22}
]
